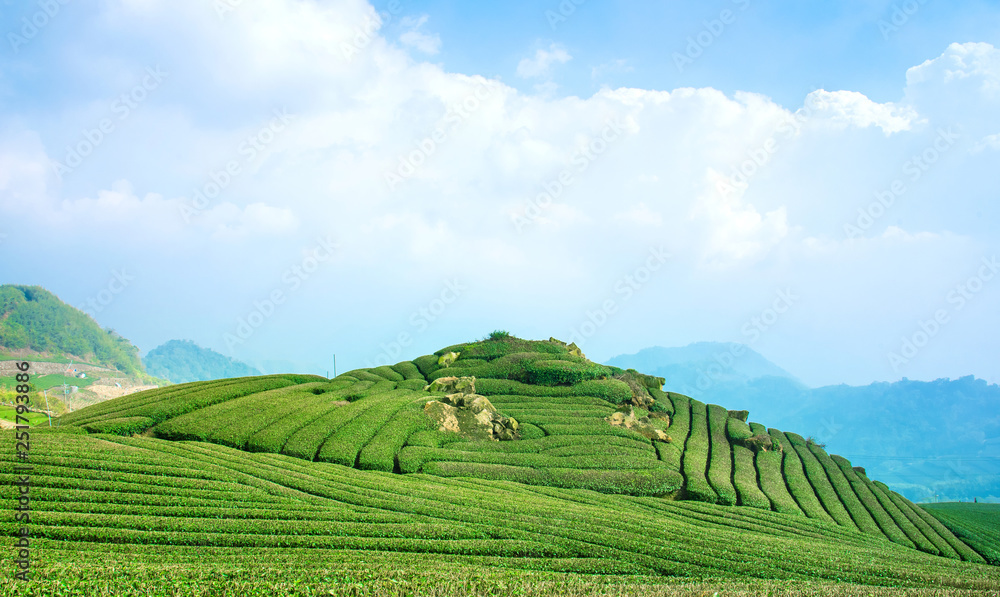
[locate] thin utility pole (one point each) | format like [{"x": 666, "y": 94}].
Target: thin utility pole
[
  {"x": 47, "y": 411},
  {"x": 335, "y": 364}
]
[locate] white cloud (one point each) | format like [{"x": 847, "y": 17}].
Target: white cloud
[
  {"x": 734, "y": 231},
  {"x": 416, "y": 39},
  {"x": 612, "y": 67},
  {"x": 540, "y": 65},
  {"x": 640, "y": 215},
  {"x": 489, "y": 153},
  {"x": 850, "y": 108},
  {"x": 980, "y": 61},
  {"x": 988, "y": 142}
]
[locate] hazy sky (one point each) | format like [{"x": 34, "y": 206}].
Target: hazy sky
[{"x": 289, "y": 179}]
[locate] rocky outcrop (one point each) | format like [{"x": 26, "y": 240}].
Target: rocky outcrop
[
  {"x": 447, "y": 358},
  {"x": 742, "y": 415},
  {"x": 463, "y": 411},
  {"x": 762, "y": 443},
  {"x": 571, "y": 347},
  {"x": 643, "y": 425},
  {"x": 452, "y": 385}
]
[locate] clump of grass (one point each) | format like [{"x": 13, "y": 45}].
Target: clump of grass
[{"x": 499, "y": 335}]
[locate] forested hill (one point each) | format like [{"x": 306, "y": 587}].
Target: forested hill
[
  {"x": 183, "y": 361},
  {"x": 35, "y": 319}
]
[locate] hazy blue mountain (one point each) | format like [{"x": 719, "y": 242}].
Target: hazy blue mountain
[
  {"x": 696, "y": 368},
  {"x": 182, "y": 361},
  {"x": 928, "y": 440}
]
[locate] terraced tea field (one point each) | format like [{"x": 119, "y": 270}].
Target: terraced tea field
[
  {"x": 316, "y": 478},
  {"x": 978, "y": 525}
]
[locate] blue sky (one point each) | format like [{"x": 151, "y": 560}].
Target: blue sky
[{"x": 283, "y": 181}]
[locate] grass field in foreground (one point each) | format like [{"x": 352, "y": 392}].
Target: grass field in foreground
[
  {"x": 976, "y": 524},
  {"x": 107, "y": 507},
  {"x": 248, "y": 572}
]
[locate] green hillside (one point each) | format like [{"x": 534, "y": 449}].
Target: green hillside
[
  {"x": 183, "y": 361},
  {"x": 976, "y": 524},
  {"x": 32, "y": 318},
  {"x": 545, "y": 462}
]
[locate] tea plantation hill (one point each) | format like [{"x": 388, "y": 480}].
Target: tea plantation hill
[{"x": 597, "y": 471}]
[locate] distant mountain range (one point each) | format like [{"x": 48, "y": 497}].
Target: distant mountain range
[
  {"x": 937, "y": 440},
  {"x": 183, "y": 361}
]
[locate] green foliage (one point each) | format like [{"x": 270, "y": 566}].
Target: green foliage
[
  {"x": 745, "y": 479},
  {"x": 771, "y": 479},
  {"x": 978, "y": 525},
  {"x": 46, "y": 382},
  {"x": 737, "y": 431},
  {"x": 183, "y": 361},
  {"x": 363, "y": 375},
  {"x": 34, "y": 318},
  {"x": 308, "y": 440},
  {"x": 426, "y": 364},
  {"x": 529, "y": 431},
  {"x": 103, "y": 503},
  {"x": 663, "y": 403},
  {"x": 345, "y": 444},
  {"x": 538, "y": 368},
  {"x": 499, "y": 335},
  {"x": 489, "y": 350},
  {"x": 387, "y": 372},
  {"x": 120, "y": 426},
  {"x": 680, "y": 411},
  {"x": 171, "y": 405},
  {"x": 417, "y": 385},
  {"x": 720, "y": 465},
  {"x": 798, "y": 484},
  {"x": 695, "y": 458},
  {"x": 274, "y": 436},
  {"x": 817, "y": 477},
  {"x": 408, "y": 370},
  {"x": 871, "y": 503},
  {"x": 610, "y": 390},
  {"x": 380, "y": 453},
  {"x": 566, "y": 444},
  {"x": 859, "y": 514},
  {"x": 629, "y": 482},
  {"x": 772, "y": 482},
  {"x": 902, "y": 521}
]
